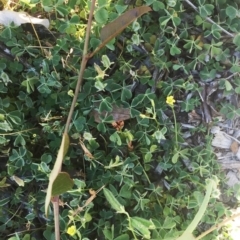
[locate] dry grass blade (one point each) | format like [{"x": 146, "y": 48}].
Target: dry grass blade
[{"x": 56, "y": 169}]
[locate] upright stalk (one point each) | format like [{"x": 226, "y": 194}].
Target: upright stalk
[{"x": 85, "y": 58}]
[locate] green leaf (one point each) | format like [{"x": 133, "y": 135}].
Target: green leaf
[
  {"x": 237, "y": 90},
  {"x": 228, "y": 85},
  {"x": 125, "y": 192},
  {"x": 62, "y": 184},
  {"x": 15, "y": 117},
  {"x": 120, "y": 9},
  {"x": 175, "y": 157},
  {"x": 206, "y": 10},
  {"x": 29, "y": 83},
  {"x": 126, "y": 94},
  {"x": 157, "y": 5},
  {"x": 101, "y": 15},
  {"x": 5, "y": 78},
  {"x": 75, "y": 19},
  {"x": 19, "y": 140},
  {"x": 2, "y": 117},
  {"x": 122, "y": 237},
  {"x": 169, "y": 223},
  {"x": 236, "y": 40},
  {"x": 144, "y": 222},
  {"x": 100, "y": 86},
  {"x": 7, "y": 33},
  {"x": 105, "y": 105},
  {"x": 113, "y": 201},
  {"x": 62, "y": 10},
  {"x": 231, "y": 12},
  {"x": 176, "y": 21},
  {"x": 175, "y": 50},
  {"x": 5, "y": 126},
  {"x": 79, "y": 123},
  {"x": 116, "y": 138},
  {"x": 140, "y": 228},
  {"x": 102, "y": 3},
  {"x": 148, "y": 157},
  {"x": 2, "y": 66}
]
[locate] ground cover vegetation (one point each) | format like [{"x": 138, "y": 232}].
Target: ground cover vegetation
[{"x": 140, "y": 156}]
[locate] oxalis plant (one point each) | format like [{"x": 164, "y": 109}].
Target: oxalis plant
[
  {"x": 143, "y": 188},
  {"x": 60, "y": 182}
]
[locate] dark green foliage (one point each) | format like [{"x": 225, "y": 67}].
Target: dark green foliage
[{"x": 141, "y": 164}]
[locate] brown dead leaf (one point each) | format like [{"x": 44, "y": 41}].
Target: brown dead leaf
[
  {"x": 130, "y": 146},
  {"x": 86, "y": 151},
  {"x": 118, "y": 114},
  {"x": 115, "y": 27},
  {"x": 234, "y": 147}
]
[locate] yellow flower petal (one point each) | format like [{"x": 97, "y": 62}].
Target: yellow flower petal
[
  {"x": 71, "y": 230},
  {"x": 170, "y": 100}
]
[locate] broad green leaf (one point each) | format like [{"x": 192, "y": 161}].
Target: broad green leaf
[
  {"x": 62, "y": 184},
  {"x": 56, "y": 169}
]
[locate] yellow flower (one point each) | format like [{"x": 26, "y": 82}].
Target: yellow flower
[
  {"x": 71, "y": 230},
  {"x": 170, "y": 100}
]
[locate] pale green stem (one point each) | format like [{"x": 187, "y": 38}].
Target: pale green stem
[
  {"x": 130, "y": 225},
  {"x": 175, "y": 126}
]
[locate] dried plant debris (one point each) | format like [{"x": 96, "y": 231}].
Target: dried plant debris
[{"x": 118, "y": 114}]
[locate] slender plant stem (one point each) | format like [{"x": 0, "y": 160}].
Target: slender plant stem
[
  {"x": 217, "y": 226},
  {"x": 67, "y": 126},
  {"x": 175, "y": 126},
  {"x": 130, "y": 225},
  {"x": 209, "y": 19},
  {"x": 82, "y": 68},
  {"x": 14, "y": 133},
  {"x": 56, "y": 217}
]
